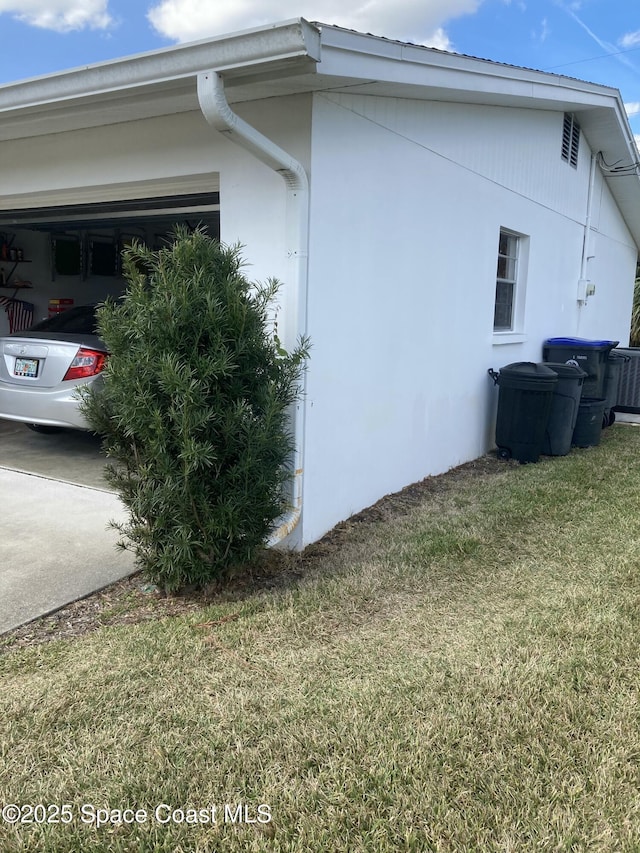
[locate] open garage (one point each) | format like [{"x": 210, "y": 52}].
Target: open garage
[{"x": 53, "y": 259}]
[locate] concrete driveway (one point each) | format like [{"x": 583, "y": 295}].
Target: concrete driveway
[{"x": 54, "y": 510}]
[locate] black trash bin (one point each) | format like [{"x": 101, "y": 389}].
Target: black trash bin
[
  {"x": 524, "y": 404},
  {"x": 615, "y": 365},
  {"x": 588, "y": 429},
  {"x": 564, "y": 409},
  {"x": 590, "y": 356}
]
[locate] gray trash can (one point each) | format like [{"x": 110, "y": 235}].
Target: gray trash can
[
  {"x": 524, "y": 403},
  {"x": 564, "y": 408},
  {"x": 588, "y": 429},
  {"x": 590, "y": 356}
]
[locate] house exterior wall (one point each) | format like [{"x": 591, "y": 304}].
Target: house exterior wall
[
  {"x": 612, "y": 270},
  {"x": 406, "y": 204},
  {"x": 168, "y": 147},
  {"x": 251, "y": 194},
  {"x": 408, "y": 199}
]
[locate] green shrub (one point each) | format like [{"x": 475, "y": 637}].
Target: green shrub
[{"x": 195, "y": 408}]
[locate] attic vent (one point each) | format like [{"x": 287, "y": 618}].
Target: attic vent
[{"x": 570, "y": 140}]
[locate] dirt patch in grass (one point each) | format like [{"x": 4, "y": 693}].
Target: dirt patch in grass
[{"x": 134, "y": 599}]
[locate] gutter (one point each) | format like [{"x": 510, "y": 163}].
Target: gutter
[
  {"x": 216, "y": 110},
  {"x": 276, "y": 49}
]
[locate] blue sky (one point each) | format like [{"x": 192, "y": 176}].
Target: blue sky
[{"x": 595, "y": 40}]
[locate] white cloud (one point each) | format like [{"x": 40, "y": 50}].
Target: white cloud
[
  {"x": 632, "y": 108},
  {"x": 419, "y": 21},
  {"x": 630, "y": 39},
  {"x": 543, "y": 33},
  {"x": 439, "y": 39},
  {"x": 59, "y": 15}
]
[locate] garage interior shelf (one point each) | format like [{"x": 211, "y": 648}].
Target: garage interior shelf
[{"x": 13, "y": 257}]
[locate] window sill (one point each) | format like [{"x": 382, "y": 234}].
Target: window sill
[{"x": 500, "y": 338}]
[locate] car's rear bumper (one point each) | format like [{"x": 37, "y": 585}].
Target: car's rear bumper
[{"x": 48, "y": 407}]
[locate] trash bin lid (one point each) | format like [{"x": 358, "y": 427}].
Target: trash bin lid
[
  {"x": 527, "y": 373},
  {"x": 580, "y": 342},
  {"x": 528, "y": 368},
  {"x": 567, "y": 371}
]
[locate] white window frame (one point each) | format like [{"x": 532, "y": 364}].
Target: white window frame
[{"x": 512, "y": 270}]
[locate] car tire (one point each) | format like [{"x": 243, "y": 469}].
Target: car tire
[{"x": 43, "y": 428}]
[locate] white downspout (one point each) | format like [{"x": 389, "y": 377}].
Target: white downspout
[
  {"x": 218, "y": 113},
  {"x": 583, "y": 282}
]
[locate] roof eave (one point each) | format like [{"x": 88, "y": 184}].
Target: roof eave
[
  {"x": 296, "y": 56},
  {"x": 289, "y": 44}
]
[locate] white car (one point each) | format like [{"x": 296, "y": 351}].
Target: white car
[{"x": 42, "y": 368}]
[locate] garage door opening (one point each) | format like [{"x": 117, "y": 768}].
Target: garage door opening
[
  {"x": 57, "y": 256},
  {"x": 52, "y": 258}
]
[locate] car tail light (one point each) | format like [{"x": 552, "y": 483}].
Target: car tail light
[{"x": 87, "y": 363}]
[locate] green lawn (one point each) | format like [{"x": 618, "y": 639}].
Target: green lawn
[{"x": 461, "y": 676}]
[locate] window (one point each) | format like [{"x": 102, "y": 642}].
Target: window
[
  {"x": 103, "y": 256},
  {"x": 506, "y": 282},
  {"x": 570, "y": 140},
  {"x": 67, "y": 255}
]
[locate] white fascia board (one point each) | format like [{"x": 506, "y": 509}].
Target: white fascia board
[
  {"x": 231, "y": 54},
  {"x": 374, "y": 65},
  {"x": 375, "y": 59}
]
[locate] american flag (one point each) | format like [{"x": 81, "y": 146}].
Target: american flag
[{"x": 20, "y": 313}]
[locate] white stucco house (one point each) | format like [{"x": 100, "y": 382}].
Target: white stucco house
[{"x": 430, "y": 215}]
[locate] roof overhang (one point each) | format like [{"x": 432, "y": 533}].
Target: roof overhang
[
  {"x": 395, "y": 69},
  {"x": 161, "y": 82},
  {"x": 295, "y": 57}
]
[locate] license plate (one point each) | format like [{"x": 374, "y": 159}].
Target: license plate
[{"x": 27, "y": 367}]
